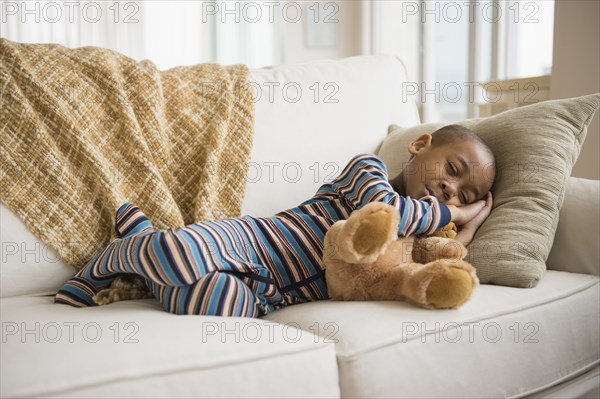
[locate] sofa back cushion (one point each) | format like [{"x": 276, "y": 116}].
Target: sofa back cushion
[{"x": 575, "y": 247}]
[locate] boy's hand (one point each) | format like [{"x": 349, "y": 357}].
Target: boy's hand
[
  {"x": 464, "y": 214},
  {"x": 467, "y": 231},
  {"x": 478, "y": 220}
]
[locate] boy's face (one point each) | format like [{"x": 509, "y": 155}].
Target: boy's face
[{"x": 438, "y": 171}]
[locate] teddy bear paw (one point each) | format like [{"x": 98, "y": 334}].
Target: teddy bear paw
[
  {"x": 370, "y": 229},
  {"x": 372, "y": 233},
  {"x": 453, "y": 287}
]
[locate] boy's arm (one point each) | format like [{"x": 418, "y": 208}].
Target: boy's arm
[
  {"x": 465, "y": 236},
  {"x": 364, "y": 180},
  {"x": 422, "y": 216}
]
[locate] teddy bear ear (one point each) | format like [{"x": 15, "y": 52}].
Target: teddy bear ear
[
  {"x": 447, "y": 231},
  {"x": 439, "y": 233},
  {"x": 451, "y": 231}
]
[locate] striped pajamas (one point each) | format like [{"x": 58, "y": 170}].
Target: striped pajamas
[{"x": 246, "y": 266}]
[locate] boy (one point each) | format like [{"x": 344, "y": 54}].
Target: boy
[{"x": 251, "y": 266}]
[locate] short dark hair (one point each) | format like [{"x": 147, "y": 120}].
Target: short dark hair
[{"x": 458, "y": 133}]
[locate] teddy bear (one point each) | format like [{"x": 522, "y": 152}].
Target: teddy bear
[{"x": 365, "y": 259}]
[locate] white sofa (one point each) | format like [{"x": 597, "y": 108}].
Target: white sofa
[{"x": 505, "y": 342}]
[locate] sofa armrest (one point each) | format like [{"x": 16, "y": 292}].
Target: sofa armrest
[{"x": 575, "y": 247}]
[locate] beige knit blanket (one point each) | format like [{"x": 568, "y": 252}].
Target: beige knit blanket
[{"x": 83, "y": 130}]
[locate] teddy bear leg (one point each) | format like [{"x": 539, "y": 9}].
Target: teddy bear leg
[
  {"x": 364, "y": 235},
  {"x": 429, "y": 249},
  {"x": 440, "y": 284}
]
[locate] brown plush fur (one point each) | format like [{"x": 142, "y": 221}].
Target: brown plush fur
[
  {"x": 366, "y": 260},
  {"x": 124, "y": 287}
]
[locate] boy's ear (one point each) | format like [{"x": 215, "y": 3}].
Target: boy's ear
[{"x": 418, "y": 144}]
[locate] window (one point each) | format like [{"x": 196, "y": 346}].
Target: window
[
  {"x": 530, "y": 30},
  {"x": 461, "y": 44}
]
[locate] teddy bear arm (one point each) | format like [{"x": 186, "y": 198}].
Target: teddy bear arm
[{"x": 364, "y": 235}]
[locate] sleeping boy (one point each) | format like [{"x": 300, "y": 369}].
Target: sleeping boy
[{"x": 251, "y": 266}]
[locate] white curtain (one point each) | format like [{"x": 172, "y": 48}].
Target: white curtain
[{"x": 170, "y": 33}]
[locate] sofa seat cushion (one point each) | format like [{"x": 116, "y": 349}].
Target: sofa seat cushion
[
  {"x": 504, "y": 342},
  {"x": 134, "y": 348}
]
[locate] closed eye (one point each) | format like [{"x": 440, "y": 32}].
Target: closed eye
[
  {"x": 452, "y": 169},
  {"x": 454, "y": 172}
]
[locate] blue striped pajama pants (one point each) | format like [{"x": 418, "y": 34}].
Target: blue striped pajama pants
[{"x": 186, "y": 268}]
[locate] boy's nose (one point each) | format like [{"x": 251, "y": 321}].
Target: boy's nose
[{"x": 448, "y": 190}]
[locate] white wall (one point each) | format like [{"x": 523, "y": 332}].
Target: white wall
[{"x": 576, "y": 69}]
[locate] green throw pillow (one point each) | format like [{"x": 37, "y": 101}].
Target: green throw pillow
[{"x": 536, "y": 147}]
